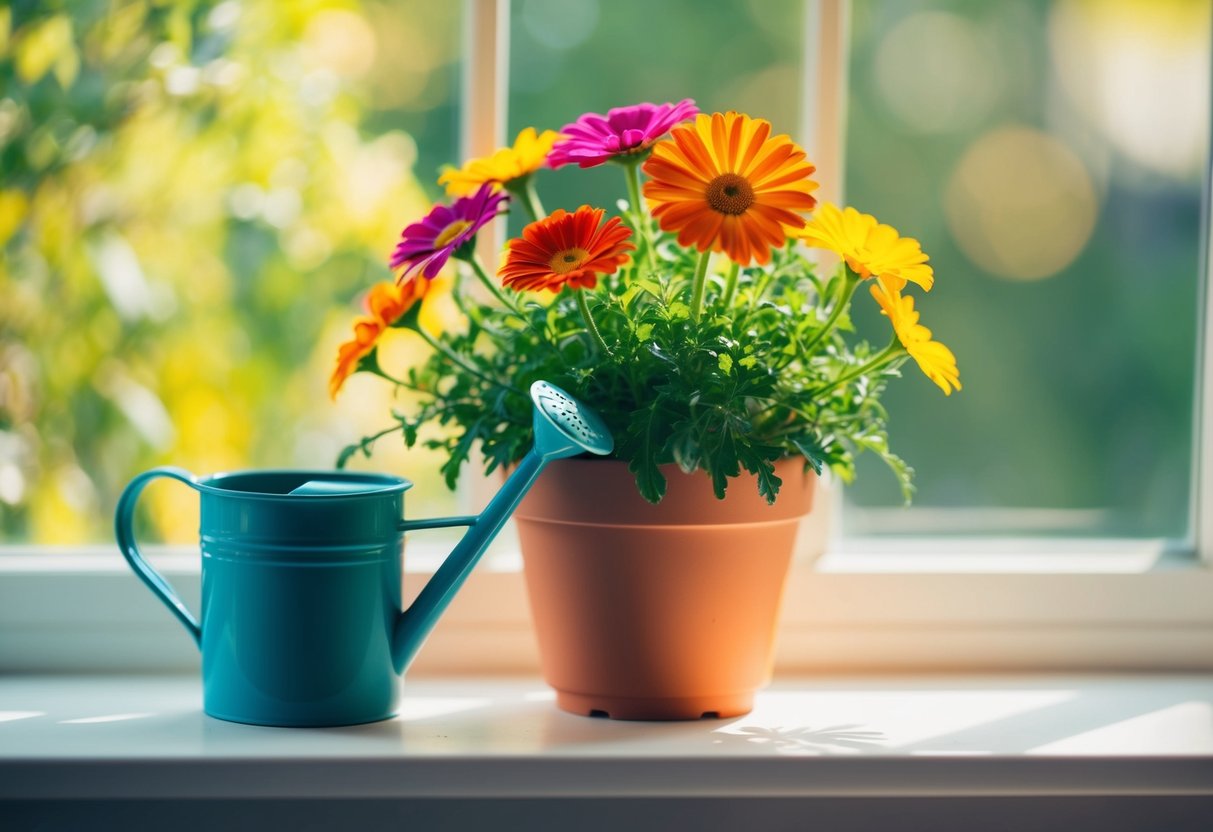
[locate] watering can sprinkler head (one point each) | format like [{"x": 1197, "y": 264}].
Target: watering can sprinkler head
[{"x": 564, "y": 426}]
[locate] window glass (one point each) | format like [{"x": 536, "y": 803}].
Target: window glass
[
  {"x": 569, "y": 57},
  {"x": 192, "y": 195},
  {"x": 1050, "y": 157}
]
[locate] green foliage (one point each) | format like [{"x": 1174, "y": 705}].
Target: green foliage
[
  {"x": 181, "y": 210},
  {"x": 755, "y": 379}
]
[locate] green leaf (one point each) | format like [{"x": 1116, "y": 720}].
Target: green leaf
[
  {"x": 904, "y": 474},
  {"x": 459, "y": 454},
  {"x": 723, "y": 463},
  {"x": 810, "y": 446},
  {"x": 761, "y": 466},
  {"x": 347, "y": 453},
  {"x": 685, "y": 447},
  {"x": 649, "y": 479},
  {"x": 656, "y": 350}
]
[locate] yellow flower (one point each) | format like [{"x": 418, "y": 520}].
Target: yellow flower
[
  {"x": 870, "y": 248},
  {"x": 529, "y": 153},
  {"x": 934, "y": 359}
]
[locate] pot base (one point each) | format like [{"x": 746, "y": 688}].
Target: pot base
[{"x": 656, "y": 708}]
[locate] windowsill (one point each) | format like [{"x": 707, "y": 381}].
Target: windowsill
[
  {"x": 1022, "y": 608},
  {"x": 132, "y": 738}
]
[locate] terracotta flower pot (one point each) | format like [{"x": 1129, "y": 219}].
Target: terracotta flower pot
[{"x": 657, "y": 611}]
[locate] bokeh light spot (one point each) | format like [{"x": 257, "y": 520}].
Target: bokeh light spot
[
  {"x": 341, "y": 41},
  {"x": 1020, "y": 203},
  {"x": 560, "y": 24},
  {"x": 1138, "y": 70},
  {"x": 938, "y": 72}
]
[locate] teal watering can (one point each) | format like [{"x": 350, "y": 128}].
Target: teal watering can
[{"x": 301, "y": 621}]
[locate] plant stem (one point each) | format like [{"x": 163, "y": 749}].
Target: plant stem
[
  {"x": 378, "y": 371},
  {"x": 595, "y": 335},
  {"x": 701, "y": 273},
  {"x": 890, "y": 353},
  {"x": 532, "y": 197},
  {"x": 439, "y": 347},
  {"x": 470, "y": 310},
  {"x": 791, "y": 408},
  {"x": 632, "y": 176},
  {"x": 524, "y": 189},
  {"x": 478, "y": 268},
  {"x": 366, "y": 440},
  {"x": 840, "y": 305},
  {"x": 730, "y": 285},
  {"x": 511, "y": 302},
  {"x": 761, "y": 285}
]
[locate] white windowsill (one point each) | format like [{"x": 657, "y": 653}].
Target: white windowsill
[
  {"x": 885, "y": 605},
  {"x": 999, "y": 739}
]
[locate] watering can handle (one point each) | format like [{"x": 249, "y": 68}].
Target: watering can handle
[
  {"x": 436, "y": 523},
  {"x": 124, "y": 518}
]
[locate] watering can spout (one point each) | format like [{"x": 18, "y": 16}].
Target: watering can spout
[
  {"x": 563, "y": 427},
  {"x": 414, "y": 624}
]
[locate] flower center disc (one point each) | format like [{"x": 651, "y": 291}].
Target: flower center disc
[
  {"x": 565, "y": 261},
  {"x": 451, "y": 232},
  {"x": 730, "y": 193}
]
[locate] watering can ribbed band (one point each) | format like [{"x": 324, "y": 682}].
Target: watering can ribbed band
[{"x": 229, "y": 548}]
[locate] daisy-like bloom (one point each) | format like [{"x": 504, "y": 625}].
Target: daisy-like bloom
[
  {"x": 870, "y": 248},
  {"x": 934, "y": 359},
  {"x": 385, "y": 304},
  {"x": 428, "y": 244},
  {"x": 624, "y": 131},
  {"x": 529, "y": 154},
  {"x": 566, "y": 248},
  {"x": 725, "y": 183}
]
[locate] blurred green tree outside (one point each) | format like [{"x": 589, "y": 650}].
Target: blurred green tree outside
[{"x": 191, "y": 200}]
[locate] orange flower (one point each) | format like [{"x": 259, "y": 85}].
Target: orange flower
[
  {"x": 725, "y": 184},
  {"x": 568, "y": 249},
  {"x": 385, "y": 305}
]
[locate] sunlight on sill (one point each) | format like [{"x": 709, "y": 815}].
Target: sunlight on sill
[
  {"x": 1188, "y": 725},
  {"x": 427, "y": 707},
  {"x": 94, "y": 720},
  {"x": 912, "y": 721},
  {"x": 13, "y": 716}
]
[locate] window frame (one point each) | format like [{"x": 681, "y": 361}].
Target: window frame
[{"x": 990, "y": 604}]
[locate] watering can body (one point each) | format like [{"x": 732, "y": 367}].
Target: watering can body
[
  {"x": 301, "y": 593},
  {"x": 299, "y": 599},
  {"x": 301, "y": 621}
]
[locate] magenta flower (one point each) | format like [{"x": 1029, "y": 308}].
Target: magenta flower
[
  {"x": 624, "y": 131},
  {"x": 428, "y": 244}
]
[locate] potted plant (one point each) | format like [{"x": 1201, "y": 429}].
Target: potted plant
[{"x": 697, "y": 323}]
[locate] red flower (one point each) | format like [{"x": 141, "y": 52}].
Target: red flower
[{"x": 568, "y": 249}]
